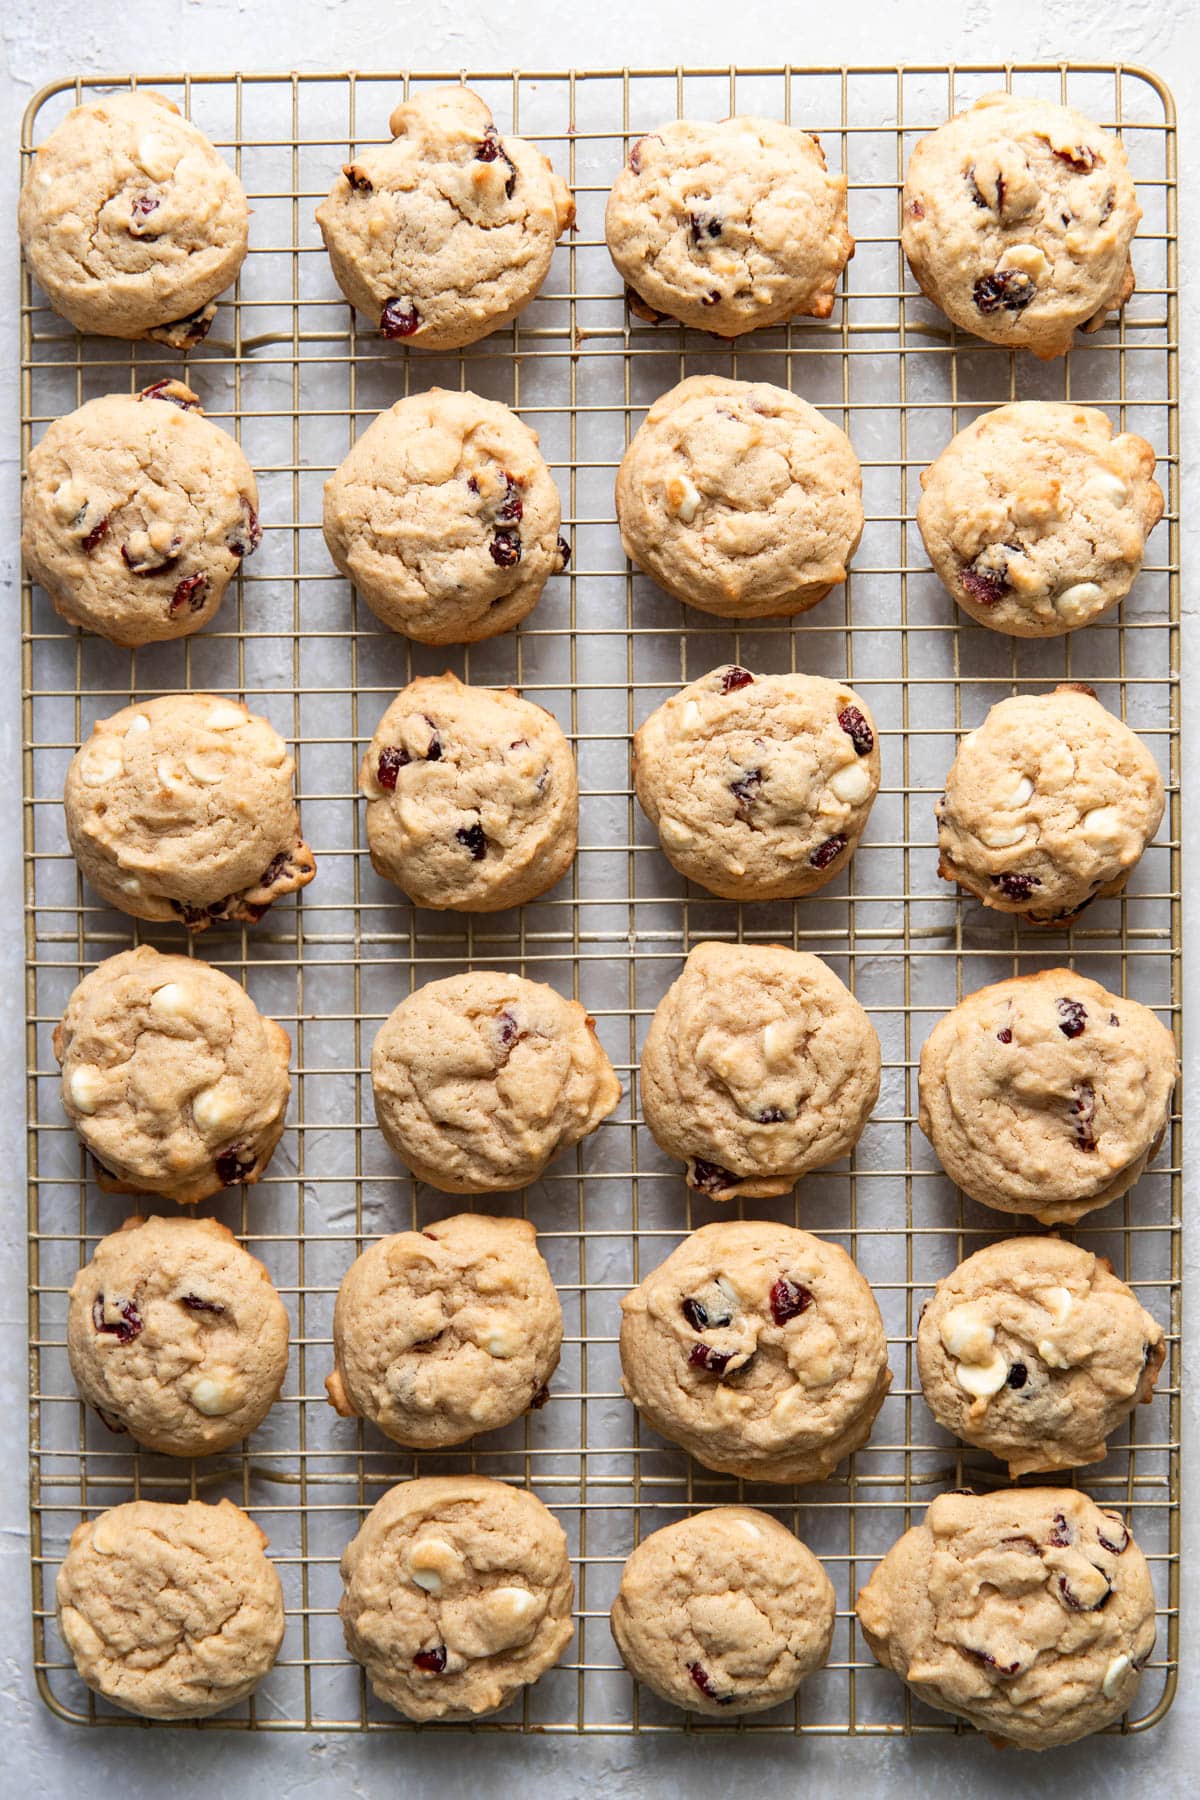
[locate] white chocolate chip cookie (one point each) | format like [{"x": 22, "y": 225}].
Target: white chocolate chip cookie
[
  {"x": 1046, "y": 1094},
  {"x": 472, "y": 797},
  {"x": 444, "y": 234},
  {"x": 1029, "y": 1612},
  {"x": 481, "y": 1079},
  {"x": 758, "y": 1349},
  {"x": 131, "y": 222},
  {"x": 458, "y": 1594},
  {"x": 137, "y": 514},
  {"x": 174, "y": 1080},
  {"x": 728, "y": 226},
  {"x": 443, "y": 1333},
  {"x": 1018, "y": 217},
  {"x": 740, "y": 498},
  {"x": 1048, "y": 805},
  {"x": 1034, "y": 1350}
]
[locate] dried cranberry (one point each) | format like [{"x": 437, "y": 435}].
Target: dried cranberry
[
  {"x": 151, "y": 561},
  {"x": 1079, "y": 157},
  {"x": 95, "y": 535},
  {"x": 977, "y": 198},
  {"x": 492, "y": 148},
  {"x": 174, "y": 391},
  {"x": 1110, "y": 200},
  {"x": 703, "y": 227},
  {"x": 276, "y": 869},
  {"x": 915, "y": 210},
  {"x": 711, "y": 298},
  {"x": 1025, "y": 1544},
  {"x": 735, "y": 678},
  {"x": 358, "y": 178},
  {"x": 539, "y": 1399},
  {"x": 826, "y": 853},
  {"x": 1072, "y": 1018},
  {"x": 564, "y": 553},
  {"x": 235, "y": 1163},
  {"x": 985, "y": 586},
  {"x": 1017, "y": 887},
  {"x": 1072, "y": 1600},
  {"x": 507, "y": 1030},
  {"x": 635, "y": 159},
  {"x": 143, "y": 205},
  {"x": 702, "y": 1356},
  {"x": 194, "y": 1303},
  {"x": 186, "y": 333},
  {"x": 1008, "y": 288},
  {"x": 1005, "y": 1034},
  {"x": 431, "y": 1661},
  {"x": 399, "y": 319},
  {"x": 1061, "y": 1533},
  {"x": 471, "y": 836},
  {"x": 695, "y": 1314},
  {"x": 191, "y": 592},
  {"x": 770, "y": 1115},
  {"x": 789, "y": 1299},
  {"x": 433, "y": 752},
  {"x": 743, "y": 790},
  {"x": 391, "y": 761},
  {"x": 710, "y": 1177},
  {"x": 1017, "y": 1376},
  {"x": 245, "y": 538},
  {"x": 989, "y": 1662},
  {"x": 1117, "y": 1548},
  {"x": 505, "y": 549},
  {"x": 857, "y": 730},
  {"x": 1113, "y": 1020},
  {"x": 512, "y": 506},
  {"x": 1083, "y": 1116},
  {"x": 703, "y": 1681},
  {"x": 127, "y": 1327}
]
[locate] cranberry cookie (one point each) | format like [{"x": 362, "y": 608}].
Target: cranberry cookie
[
  {"x": 740, "y": 498},
  {"x": 472, "y": 797},
  {"x": 1046, "y": 1094},
  {"x": 445, "y": 518},
  {"x": 131, "y": 222},
  {"x": 137, "y": 513},
  {"x": 1035, "y": 516},
  {"x": 1029, "y": 1612},
  {"x": 170, "y": 1611},
  {"x": 174, "y": 1080},
  {"x": 758, "y": 1349},
  {"x": 729, "y": 226},
  {"x": 723, "y": 1613},
  {"x": 458, "y": 1594},
  {"x": 442, "y": 1333},
  {"x": 1034, "y": 1350},
  {"x": 1048, "y": 805},
  {"x": 444, "y": 234},
  {"x": 481, "y": 1079},
  {"x": 760, "y": 786},
  {"x": 1018, "y": 217},
  {"x": 176, "y": 1335},
  {"x": 182, "y": 808},
  {"x": 759, "y": 1065}
]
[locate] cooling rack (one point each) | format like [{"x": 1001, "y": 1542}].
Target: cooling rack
[{"x": 286, "y": 370}]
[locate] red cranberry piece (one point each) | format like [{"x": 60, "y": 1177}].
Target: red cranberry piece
[
  {"x": 985, "y": 586},
  {"x": 174, "y": 391},
  {"x": 1072, "y": 1018},
  {"x": 151, "y": 562},
  {"x": 1118, "y": 1542},
  {"x": 246, "y": 538},
  {"x": 492, "y": 148},
  {"x": 564, "y": 553},
  {"x": 1010, "y": 289},
  {"x": 276, "y": 869},
  {"x": 789, "y": 1299},
  {"x": 399, "y": 319},
  {"x": 186, "y": 333},
  {"x": 507, "y": 1030},
  {"x": 703, "y": 227},
  {"x": 390, "y": 763},
  {"x": 857, "y": 730},
  {"x": 431, "y": 1661},
  {"x": 710, "y": 1177},
  {"x": 539, "y": 1399},
  {"x": 95, "y": 536},
  {"x": 702, "y": 1356},
  {"x": 505, "y": 548},
  {"x": 695, "y": 1314},
  {"x": 1113, "y": 1020},
  {"x": 471, "y": 836},
  {"x": 825, "y": 853},
  {"x": 1110, "y": 200},
  {"x": 1061, "y": 1533},
  {"x": 915, "y": 210},
  {"x": 735, "y": 678},
  {"x": 512, "y": 506},
  {"x": 235, "y": 1163},
  {"x": 1071, "y": 1599},
  {"x": 358, "y": 178},
  {"x": 126, "y": 1328},
  {"x": 1079, "y": 157},
  {"x": 744, "y": 789},
  {"x": 194, "y": 1303},
  {"x": 1017, "y": 1376},
  {"x": 1007, "y": 1670},
  {"x": 1005, "y": 1034},
  {"x": 770, "y": 1115},
  {"x": 191, "y": 593},
  {"x": 434, "y": 751},
  {"x": 703, "y": 1681},
  {"x": 635, "y": 150},
  {"x": 711, "y": 298},
  {"x": 143, "y": 205},
  {"x": 1083, "y": 1115},
  {"x": 1025, "y": 1544},
  {"x": 1017, "y": 887}
]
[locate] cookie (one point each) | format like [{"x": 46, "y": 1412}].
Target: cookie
[
  {"x": 740, "y": 498},
  {"x": 728, "y": 227},
  {"x": 181, "y": 808},
  {"x": 760, "y": 786},
  {"x": 445, "y": 518},
  {"x": 174, "y": 1080},
  {"x": 131, "y": 222},
  {"x": 444, "y": 234},
  {"x": 758, "y": 1349},
  {"x": 1048, "y": 805},
  {"x": 759, "y": 1065},
  {"x": 481, "y": 1079},
  {"x": 137, "y": 513},
  {"x": 723, "y": 1613},
  {"x": 1034, "y": 1350},
  {"x": 472, "y": 797},
  {"x": 1046, "y": 1094},
  {"x": 1035, "y": 517},
  {"x": 1029, "y": 1612},
  {"x": 458, "y": 1594},
  {"x": 176, "y": 1335},
  {"x": 170, "y": 1611},
  {"x": 1018, "y": 217},
  {"x": 442, "y": 1333}
]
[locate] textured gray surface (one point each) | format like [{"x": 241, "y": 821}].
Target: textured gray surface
[{"x": 39, "y": 45}]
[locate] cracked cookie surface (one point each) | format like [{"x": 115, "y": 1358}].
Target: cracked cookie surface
[
  {"x": 1046, "y": 1094},
  {"x": 170, "y": 1611},
  {"x": 472, "y": 796},
  {"x": 176, "y": 1335},
  {"x": 131, "y": 221},
  {"x": 137, "y": 513},
  {"x": 1034, "y": 1350},
  {"x": 481, "y": 1079},
  {"x": 1018, "y": 217},
  {"x": 757, "y": 1348},
  {"x": 1048, "y": 805},
  {"x": 740, "y": 498},
  {"x": 458, "y": 1594},
  {"x": 173, "y": 1079},
  {"x": 181, "y": 808},
  {"x": 444, "y": 234},
  {"x": 442, "y": 1333},
  {"x": 1029, "y": 1612},
  {"x": 445, "y": 518},
  {"x": 723, "y": 1613},
  {"x": 728, "y": 226},
  {"x": 1035, "y": 516}
]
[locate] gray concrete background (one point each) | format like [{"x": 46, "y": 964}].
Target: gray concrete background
[{"x": 40, "y": 43}]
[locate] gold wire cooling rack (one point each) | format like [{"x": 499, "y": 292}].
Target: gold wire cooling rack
[{"x": 285, "y": 369}]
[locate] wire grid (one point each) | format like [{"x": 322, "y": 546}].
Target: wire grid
[{"x": 286, "y": 370}]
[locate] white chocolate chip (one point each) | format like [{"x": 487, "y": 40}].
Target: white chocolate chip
[
  {"x": 1002, "y": 837},
  {"x": 429, "y": 1579},
  {"x": 1102, "y": 826},
  {"x": 779, "y": 1044},
  {"x": 967, "y": 1334},
  {"x": 1114, "y": 1675},
  {"x": 1078, "y": 599},
  {"x": 1019, "y": 794},
  {"x": 213, "y": 1398},
  {"x": 749, "y": 1527},
  {"x": 1107, "y": 486},
  {"x": 139, "y": 722},
  {"x": 69, "y": 501},
  {"x": 224, "y": 716},
  {"x": 1028, "y": 259},
  {"x": 502, "y": 1344},
  {"x": 157, "y": 157},
  {"x": 105, "y": 1537},
  {"x": 206, "y": 767},
  {"x": 172, "y": 775},
  {"x": 674, "y": 831},
  {"x": 214, "y": 1108},
  {"x": 1058, "y": 766},
  {"x": 100, "y": 764},
  {"x": 851, "y": 784},
  {"x": 691, "y": 716},
  {"x": 730, "y": 1292},
  {"x": 983, "y": 1379},
  {"x": 433, "y": 1555},
  {"x": 1051, "y": 1355},
  {"x": 683, "y": 497},
  {"x": 85, "y": 1087},
  {"x": 1058, "y": 1302},
  {"x": 171, "y": 1001},
  {"x": 513, "y": 1605}
]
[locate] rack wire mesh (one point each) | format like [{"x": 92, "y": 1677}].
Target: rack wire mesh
[{"x": 286, "y": 369}]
